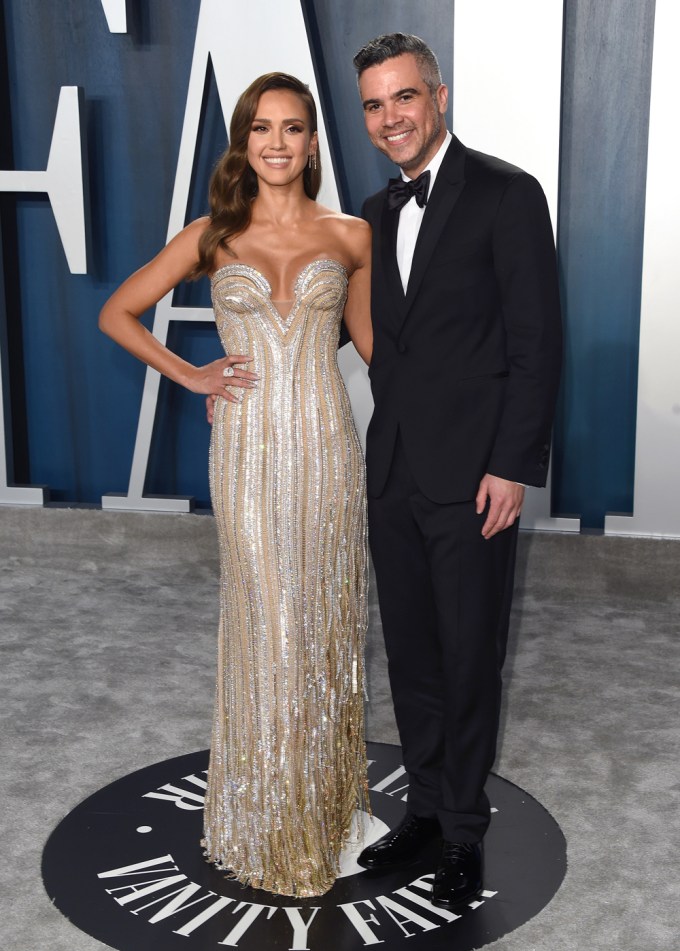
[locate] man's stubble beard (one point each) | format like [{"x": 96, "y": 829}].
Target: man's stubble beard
[{"x": 417, "y": 159}]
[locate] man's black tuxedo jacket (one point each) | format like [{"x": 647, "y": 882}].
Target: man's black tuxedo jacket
[{"x": 466, "y": 364}]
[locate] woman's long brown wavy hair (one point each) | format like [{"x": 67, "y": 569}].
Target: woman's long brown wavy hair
[{"x": 233, "y": 184}]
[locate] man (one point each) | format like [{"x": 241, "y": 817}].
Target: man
[{"x": 464, "y": 376}]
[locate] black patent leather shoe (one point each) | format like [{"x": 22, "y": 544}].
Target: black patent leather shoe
[
  {"x": 458, "y": 878},
  {"x": 401, "y": 845}
]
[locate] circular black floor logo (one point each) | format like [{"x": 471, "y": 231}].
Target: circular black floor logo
[{"x": 126, "y": 867}]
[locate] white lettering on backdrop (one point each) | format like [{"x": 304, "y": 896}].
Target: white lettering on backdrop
[{"x": 62, "y": 180}]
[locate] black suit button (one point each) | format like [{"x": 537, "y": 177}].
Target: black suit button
[{"x": 401, "y": 347}]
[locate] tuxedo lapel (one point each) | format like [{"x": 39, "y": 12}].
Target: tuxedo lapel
[{"x": 446, "y": 191}]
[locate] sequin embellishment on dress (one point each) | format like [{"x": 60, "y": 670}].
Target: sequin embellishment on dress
[{"x": 287, "y": 764}]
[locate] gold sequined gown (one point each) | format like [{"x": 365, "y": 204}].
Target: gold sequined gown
[{"x": 287, "y": 764}]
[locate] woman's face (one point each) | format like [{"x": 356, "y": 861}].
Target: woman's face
[{"x": 280, "y": 140}]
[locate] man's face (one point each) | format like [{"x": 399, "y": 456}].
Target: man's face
[{"x": 402, "y": 117}]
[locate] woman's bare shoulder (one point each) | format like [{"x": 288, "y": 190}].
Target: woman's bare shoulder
[
  {"x": 354, "y": 233},
  {"x": 191, "y": 233},
  {"x": 198, "y": 225},
  {"x": 185, "y": 242},
  {"x": 341, "y": 220}
]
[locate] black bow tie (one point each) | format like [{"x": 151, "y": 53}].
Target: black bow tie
[{"x": 399, "y": 191}]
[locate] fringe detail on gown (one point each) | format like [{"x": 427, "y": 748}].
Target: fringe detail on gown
[{"x": 288, "y": 762}]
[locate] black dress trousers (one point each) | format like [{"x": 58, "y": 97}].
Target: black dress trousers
[{"x": 445, "y": 594}]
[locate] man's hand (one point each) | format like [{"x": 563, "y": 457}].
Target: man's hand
[{"x": 505, "y": 503}]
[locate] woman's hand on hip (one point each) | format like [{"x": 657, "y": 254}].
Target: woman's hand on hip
[{"x": 225, "y": 377}]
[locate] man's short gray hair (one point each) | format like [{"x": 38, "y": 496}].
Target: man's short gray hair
[{"x": 390, "y": 45}]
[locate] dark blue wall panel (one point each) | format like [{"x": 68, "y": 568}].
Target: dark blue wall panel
[
  {"x": 82, "y": 392},
  {"x": 76, "y": 395},
  {"x": 606, "y": 88}
]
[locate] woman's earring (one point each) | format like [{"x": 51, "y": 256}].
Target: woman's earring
[{"x": 312, "y": 160}]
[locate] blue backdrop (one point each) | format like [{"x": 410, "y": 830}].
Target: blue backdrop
[{"x": 75, "y": 396}]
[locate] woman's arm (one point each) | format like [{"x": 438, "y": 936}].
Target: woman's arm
[
  {"x": 357, "y": 316},
  {"x": 119, "y": 319}
]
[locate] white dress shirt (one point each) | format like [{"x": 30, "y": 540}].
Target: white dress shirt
[{"x": 411, "y": 217}]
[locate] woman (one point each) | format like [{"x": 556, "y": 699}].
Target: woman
[{"x": 287, "y": 764}]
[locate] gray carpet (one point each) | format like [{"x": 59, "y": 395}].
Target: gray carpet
[{"x": 107, "y": 641}]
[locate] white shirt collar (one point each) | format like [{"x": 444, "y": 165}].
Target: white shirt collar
[{"x": 435, "y": 162}]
